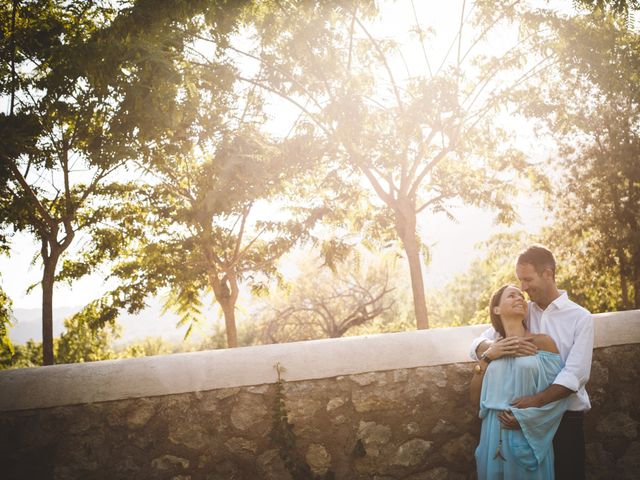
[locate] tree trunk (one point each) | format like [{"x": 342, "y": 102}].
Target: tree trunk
[
  {"x": 229, "y": 311},
  {"x": 226, "y": 292},
  {"x": 47, "y": 315},
  {"x": 636, "y": 284},
  {"x": 417, "y": 283},
  {"x": 624, "y": 286},
  {"x": 50, "y": 262},
  {"x": 406, "y": 227}
]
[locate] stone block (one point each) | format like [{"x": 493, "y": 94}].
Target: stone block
[
  {"x": 412, "y": 453},
  {"x": 318, "y": 459},
  {"x": 241, "y": 446},
  {"x": 139, "y": 415},
  {"x": 189, "y": 435},
  {"x": 169, "y": 462},
  {"x": 460, "y": 449},
  {"x": 373, "y": 436},
  {"x": 247, "y": 410}
]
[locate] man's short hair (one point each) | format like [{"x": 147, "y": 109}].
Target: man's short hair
[{"x": 538, "y": 256}]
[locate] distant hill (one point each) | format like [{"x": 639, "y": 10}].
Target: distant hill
[
  {"x": 148, "y": 323},
  {"x": 27, "y": 323}
]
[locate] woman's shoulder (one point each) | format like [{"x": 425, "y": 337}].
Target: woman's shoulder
[{"x": 544, "y": 342}]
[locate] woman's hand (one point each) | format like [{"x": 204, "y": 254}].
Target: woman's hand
[
  {"x": 508, "y": 420},
  {"x": 511, "y": 346}
]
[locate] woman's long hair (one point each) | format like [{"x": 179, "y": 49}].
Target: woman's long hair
[{"x": 496, "y": 320}]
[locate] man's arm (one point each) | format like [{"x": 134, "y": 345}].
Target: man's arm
[
  {"x": 577, "y": 367},
  {"x": 488, "y": 336},
  {"x": 552, "y": 393},
  {"x": 575, "y": 373}
]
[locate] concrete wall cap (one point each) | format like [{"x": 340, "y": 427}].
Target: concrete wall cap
[{"x": 70, "y": 384}]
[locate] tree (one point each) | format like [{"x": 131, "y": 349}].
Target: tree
[
  {"x": 191, "y": 222},
  {"x": 588, "y": 105},
  {"x": 59, "y": 144},
  {"x": 325, "y": 303},
  {"x": 6, "y": 346},
  {"x": 90, "y": 87},
  {"x": 617, "y": 7},
  {"x": 81, "y": 343},
  {"x": 422, "y": 142},
  {"x": 203, "y": 233}
]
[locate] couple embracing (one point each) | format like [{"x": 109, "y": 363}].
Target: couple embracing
[{"x": 529, "y": 382}]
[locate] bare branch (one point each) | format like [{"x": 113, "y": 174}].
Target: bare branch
[
  {"x": 428, "y": 167},
  {"x": 486, "y": 30},
  {"x": 31, "y": 194},
  {"x": 404, "y": 185},
  {"x": 383, "y": 59},
  {"x": 424, "y": 50},
  {"x": 464, "y": 3},
  {"x": 311, "y": 116},
  {"x": 351, "y": 30},
  {"x": 236, "y": 251},
  {"x": 279, "y": 70},
  {"x": 430, "y": 202}
]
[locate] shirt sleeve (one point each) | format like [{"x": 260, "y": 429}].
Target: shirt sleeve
[
  {"x": 488, "y": 334},
  {"x": 577, "y": 367}
]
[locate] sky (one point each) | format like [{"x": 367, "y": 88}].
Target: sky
[{"x": 453, "y": 244}]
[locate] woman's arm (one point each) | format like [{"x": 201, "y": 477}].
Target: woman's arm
[{"x": 475, "y": 388}]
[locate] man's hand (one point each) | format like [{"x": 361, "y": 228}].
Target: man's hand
[
  {"x": 511, "y": 346},
  {"x": 526, "y": 402},
  {"x": 508, "y": 420}
]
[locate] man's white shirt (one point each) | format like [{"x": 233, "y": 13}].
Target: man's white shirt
[{"x": 571, "y": 327}]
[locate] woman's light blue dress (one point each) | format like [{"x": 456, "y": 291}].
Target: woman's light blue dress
[{"x": 528, "y": 453}]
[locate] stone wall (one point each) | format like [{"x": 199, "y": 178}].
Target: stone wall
[{"x": 388, "y": 423}]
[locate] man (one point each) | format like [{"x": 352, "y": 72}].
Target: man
[{"x": 571, "y": 327}]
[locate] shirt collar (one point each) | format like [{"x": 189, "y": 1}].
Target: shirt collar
[
  {"x": 562, "y": 301},
  {"x": 559, "y": 303}
]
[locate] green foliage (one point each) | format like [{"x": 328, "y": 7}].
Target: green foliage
[
  {"x": 96, "y": 85},
  {"x": 82, "y": 343},
  {"x": 6, "y": 347},
  {"x": 218, "y": 201},
  {"x": 187, "y": 304},
  {"x": 25, "y": 356},
  {"x": 189, "y": 224},
  {"x": 421, "y": 142},
  {"x": 150, "y": 346},
  {"x": 465, "y": 299},
  {"x": 63, "y": 140},
  {"x": 618, "y": 7},
  {"x": 588, "y": 105}
]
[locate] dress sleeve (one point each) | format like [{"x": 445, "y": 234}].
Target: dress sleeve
[{"x": 539, "y": 424}]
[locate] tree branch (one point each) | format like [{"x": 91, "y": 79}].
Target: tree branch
[
  {"x": 30, "y": 193},
  {"x": 385, "y": 64}
]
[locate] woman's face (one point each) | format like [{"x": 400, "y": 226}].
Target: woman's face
[{"x": 512, "y": 303}]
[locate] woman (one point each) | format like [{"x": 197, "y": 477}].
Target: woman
[{"x": 526, "y": 453}]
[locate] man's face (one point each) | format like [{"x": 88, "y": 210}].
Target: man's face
[{"x": 530, "y": 281}]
